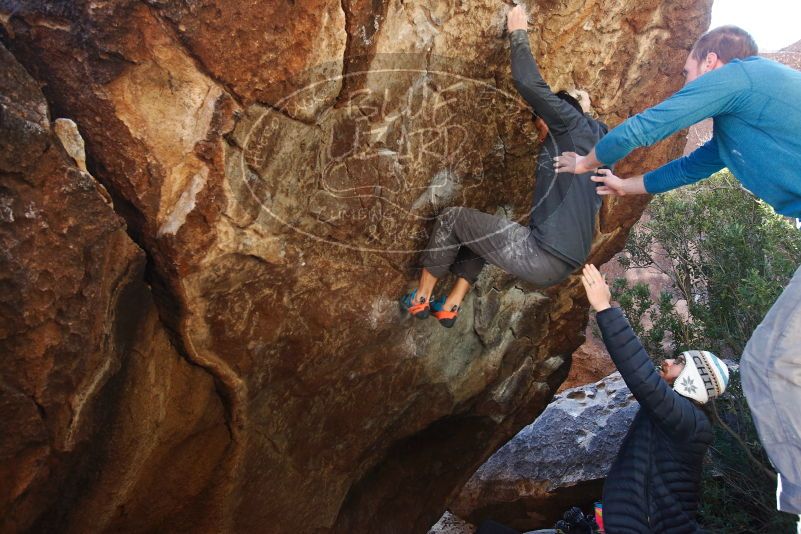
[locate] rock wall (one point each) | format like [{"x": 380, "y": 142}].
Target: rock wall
[
  {"x": 277, "y": 166},
  {"x": 96, "y": 405}
]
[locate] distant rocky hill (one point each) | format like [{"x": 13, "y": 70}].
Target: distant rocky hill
[
  {"x": 790, "y": 56},
  {"x": 793, "y": 48}
]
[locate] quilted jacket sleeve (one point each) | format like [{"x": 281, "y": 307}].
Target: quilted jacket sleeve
[{"x": 675, "y": 414}]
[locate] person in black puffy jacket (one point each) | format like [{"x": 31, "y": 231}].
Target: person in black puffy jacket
[{"x": 653, "y": 485}]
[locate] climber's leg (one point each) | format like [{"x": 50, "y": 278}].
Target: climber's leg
[
  {"x": 502, "y": 242},
  {"x": 445, "y": 242},
  {"x": 446, "y": 309},
  {"x": 467, "y": 267},
  {"x": 457, "y": 294},
  {"x": 442, "y": 249},
  {"x": 426, "y": 284},
  {"x": 417, "y": 303}
]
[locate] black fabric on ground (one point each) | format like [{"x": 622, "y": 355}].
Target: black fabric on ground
[{"x": 492, "y": 527}]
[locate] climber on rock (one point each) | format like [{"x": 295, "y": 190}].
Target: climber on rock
[
  {"x": 756, "y": 106},
  {"x": 653, "y": 485},
  {"x": 562, "y": 219}
]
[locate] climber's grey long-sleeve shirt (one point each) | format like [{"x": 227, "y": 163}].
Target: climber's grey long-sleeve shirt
[{"x": 565, "y": 205}]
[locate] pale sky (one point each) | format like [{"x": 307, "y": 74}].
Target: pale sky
[{"x": 774, "y": 24}]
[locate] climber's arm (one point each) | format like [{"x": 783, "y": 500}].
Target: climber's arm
[{"x": 557, "y": 114}]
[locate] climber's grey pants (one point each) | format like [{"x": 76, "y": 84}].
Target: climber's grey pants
[
  {"x": 771, "y": 375},
  {"x": 464, "y": 239}
]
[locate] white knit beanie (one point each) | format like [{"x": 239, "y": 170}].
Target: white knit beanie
[{"x": 704, "y": 376}]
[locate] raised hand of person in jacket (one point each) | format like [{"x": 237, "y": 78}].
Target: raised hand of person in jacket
[{"x": 598, "y": 292}]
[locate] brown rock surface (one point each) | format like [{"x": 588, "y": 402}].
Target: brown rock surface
[
  {"x": 280, "y": 164},
  {"x": 96, "y": 405},
  {"x": 591, "y": 362}
]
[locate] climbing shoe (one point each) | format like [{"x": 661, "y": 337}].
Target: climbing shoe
[
  {"x": 419, "y": 308},
  {"x": 445, "y": 317}
]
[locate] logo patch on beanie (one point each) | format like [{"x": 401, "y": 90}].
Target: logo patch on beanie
[
  {"x": 707, "y": 377},
  {"x": 688, "y": 384}
]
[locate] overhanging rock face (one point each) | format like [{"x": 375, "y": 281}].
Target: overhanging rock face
[{"x": 280, "y": 164}]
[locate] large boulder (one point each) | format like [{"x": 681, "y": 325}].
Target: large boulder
[
  {"x": 280, "y": 164},
  {"x": 557, "y": 462}
]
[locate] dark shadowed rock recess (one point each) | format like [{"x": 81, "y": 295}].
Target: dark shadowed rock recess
[{"x": 200, "y": 331}]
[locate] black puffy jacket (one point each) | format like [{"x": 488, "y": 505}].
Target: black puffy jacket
[{"x": 653, "y": 485}]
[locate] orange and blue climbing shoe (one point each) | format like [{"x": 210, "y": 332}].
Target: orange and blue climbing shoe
[
  {"x": 445, "y": 317},
  {"x": 417, "y": 307}
]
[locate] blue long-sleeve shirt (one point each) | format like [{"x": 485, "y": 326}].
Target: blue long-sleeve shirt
[{"x": 756, "y": 106}]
